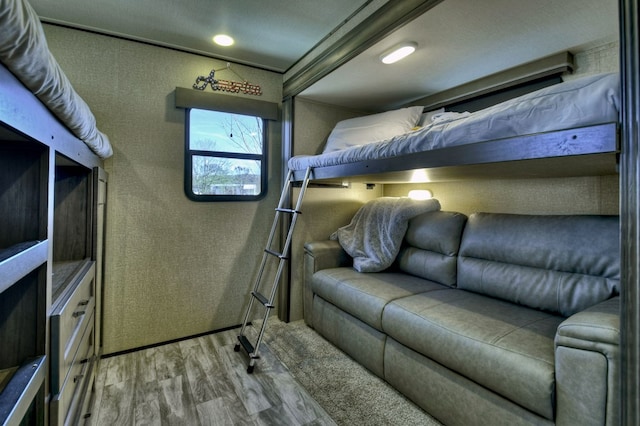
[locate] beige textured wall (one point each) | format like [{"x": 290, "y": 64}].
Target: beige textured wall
[
  {"x": 174, "y": 267},
  {"x": 324, "y": 209},
  {"x": 581, "y": 195},
  {"x": 313, "y": 122}
]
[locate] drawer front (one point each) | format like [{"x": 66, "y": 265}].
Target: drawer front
[
  {"x": 65, "y": 406},
  {"x": 68, "y": 324}
]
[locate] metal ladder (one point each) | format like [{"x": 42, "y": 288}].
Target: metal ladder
[{"x": 270, "y": 254}]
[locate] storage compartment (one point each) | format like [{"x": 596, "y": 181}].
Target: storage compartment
[
  {"x": 23, "y": 202},
  {"x": 22, "y": 394},
  {"x": 72, "y": 228},
  {"x": 67, "y": 405},
  {"x": 71, "y": 316},
  {"x": 22, "y": 307}
]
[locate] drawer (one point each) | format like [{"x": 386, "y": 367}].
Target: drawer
[
  {"x": 66, "y": 406},
  {"x": 69, "y": 320}
]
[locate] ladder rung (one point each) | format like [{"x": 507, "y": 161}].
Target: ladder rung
[
  {"x": 288, "y": 210},
  {"x": 247, "y": 346},
  {"x": 275, "y": 253},
  {"x": 265, "y": 302}
]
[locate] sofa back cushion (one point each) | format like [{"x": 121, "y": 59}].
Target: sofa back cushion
[
  {"x": 561, "y": 264},
  {"x": 431, "y": 246}
]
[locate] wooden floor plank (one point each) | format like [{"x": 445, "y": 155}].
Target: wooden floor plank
[
  {"x": 116, "y": 404},
  {"x": 147, "y": 404},
  {"x": 169, "y": 362},
  {"x": 146, "y": 370},
  {"x": 198, "y": 370},
  {"x": 247, "y": 389},
  {"x": 200, "y": 381},
  {"x": 176, "y": 403}
]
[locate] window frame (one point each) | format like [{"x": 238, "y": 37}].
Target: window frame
[
  {"x": 268, "y": 111},
  {"x": 191, "y": 153}
]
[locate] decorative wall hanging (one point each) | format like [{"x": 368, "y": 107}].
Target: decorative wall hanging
[{"x": 225, "y": 85}]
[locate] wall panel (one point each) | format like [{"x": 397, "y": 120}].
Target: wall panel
[{"x": 173, "y": 267}]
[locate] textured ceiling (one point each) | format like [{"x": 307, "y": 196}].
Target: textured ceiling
[
  {"x": 271, "y": 34},
  {"x": 463, "y": 40},
  {"x": 458, "y": 40}
]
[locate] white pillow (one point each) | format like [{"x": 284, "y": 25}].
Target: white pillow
[{"x": 372, "y": 128}]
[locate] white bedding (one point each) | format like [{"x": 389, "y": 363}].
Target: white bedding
[
  {"x": 24, "y": 51},
  {"x": 581, "y": 102}
]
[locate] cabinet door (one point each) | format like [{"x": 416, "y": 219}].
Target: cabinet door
[{"x": 71, "y": 316}]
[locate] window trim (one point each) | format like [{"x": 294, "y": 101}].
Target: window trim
[
  {"x": 191, "y": 153},
  {"x": 216, "y": 101}
]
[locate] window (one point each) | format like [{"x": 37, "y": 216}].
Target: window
[{"x": 225, "y": 156}]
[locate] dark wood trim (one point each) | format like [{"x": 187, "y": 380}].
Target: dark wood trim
[
  {"x": 283, "y": 307},
  {"x": 553, "y": 65},
  {"x": 374, "y": 28},
  {"x": 193, "y": 98},
  {"x": 584, "y": 151},
  {"x": 630, "y": 212}
]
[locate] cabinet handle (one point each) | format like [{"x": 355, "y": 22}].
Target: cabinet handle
[
  {"x": 83, "y": 302},
  {"x": 78, "y": 377}
]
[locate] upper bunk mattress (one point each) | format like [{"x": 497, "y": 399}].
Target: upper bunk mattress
[
  {"x": 579, "y": 102},
  {"x": 24, "y": 51}
]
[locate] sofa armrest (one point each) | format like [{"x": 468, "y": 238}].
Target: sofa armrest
[
  {"x": 587, "y": 363},
  {"x": 320, "y": 255}
]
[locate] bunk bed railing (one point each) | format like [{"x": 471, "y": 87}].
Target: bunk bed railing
[{"x": 583, "y": 151}]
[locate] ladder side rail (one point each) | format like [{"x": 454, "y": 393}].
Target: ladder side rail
[
  {"x": 285, "y": 255},
  {"x": 276, "y": 220},
  {"x": 265, "y": 255},
  {"x": 292, "y": 225}
]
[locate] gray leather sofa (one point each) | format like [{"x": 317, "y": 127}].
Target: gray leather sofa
[{"x": 488, "y": 320}]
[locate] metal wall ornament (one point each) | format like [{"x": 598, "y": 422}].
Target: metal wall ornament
[{"x": 226, "y": 85}]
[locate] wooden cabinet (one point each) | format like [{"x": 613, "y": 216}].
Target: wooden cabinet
[
  {"x": 52, "y": 198},
  {"x": 79, "y": 193},
  {"x": 72, "y": 347},
  {"x": 24, "y": 249}
]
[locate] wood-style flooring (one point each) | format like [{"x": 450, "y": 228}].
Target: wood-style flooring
[{"x": 200, "y": 381}]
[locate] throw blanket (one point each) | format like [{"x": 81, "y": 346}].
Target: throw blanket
[{"x": 374, "y": 236}]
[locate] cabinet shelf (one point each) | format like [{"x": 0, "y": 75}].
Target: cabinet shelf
[
  {"x": 65, "y": 273},
  {"x": 22, "y": 384},
  {"x": 47, "y": 240},
  {"x": 19, "y": 260}
]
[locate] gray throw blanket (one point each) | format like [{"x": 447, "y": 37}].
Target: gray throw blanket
[{"x": 374, "y": 236}]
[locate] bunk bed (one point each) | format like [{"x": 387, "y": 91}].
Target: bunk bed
[
  {"x": 568, "y": 129},
  {"x": 25, "y": 53},
  {"x": 51, "y": 182}
]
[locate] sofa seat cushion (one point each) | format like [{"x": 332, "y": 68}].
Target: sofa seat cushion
[
  {"x": 504, "y": 347},
  {"x": 365, "y": 295}
]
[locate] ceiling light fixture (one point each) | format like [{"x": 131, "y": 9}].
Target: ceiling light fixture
[
  {"x": 223, "y": 40},
  {"x": 398, "y": 52}
]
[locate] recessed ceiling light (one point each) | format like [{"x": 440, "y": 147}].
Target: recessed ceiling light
[
  {"x": 398, "y": 52},
  {"x": 223, "y": 40}
]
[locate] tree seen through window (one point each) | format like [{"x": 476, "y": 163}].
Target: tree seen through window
[{"x": 226, "y": 152}]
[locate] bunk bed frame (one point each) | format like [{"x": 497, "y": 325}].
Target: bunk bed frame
[
  {"x": 52, "y": 192},
  {"x": 584, "y": 151}
]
